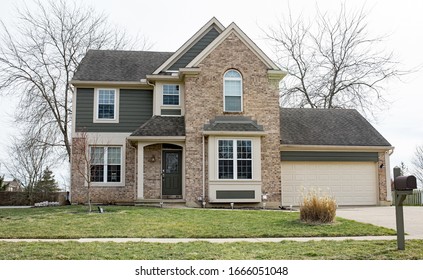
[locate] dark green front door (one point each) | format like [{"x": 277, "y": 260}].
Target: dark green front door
[{"x": 172, "y": 174}]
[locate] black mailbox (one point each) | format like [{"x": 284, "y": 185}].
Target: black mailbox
[{"x": 403, "y": 183}]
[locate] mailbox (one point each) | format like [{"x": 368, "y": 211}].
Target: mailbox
[{"x": 404, "y": 183}]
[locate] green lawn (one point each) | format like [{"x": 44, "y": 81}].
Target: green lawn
[
  {"x": 75, "y": 222},
  {"x": 313, "y": 250},
  {"x": 137, "y": 222}
]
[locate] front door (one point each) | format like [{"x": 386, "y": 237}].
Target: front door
[{"x": 172, "y": 174}]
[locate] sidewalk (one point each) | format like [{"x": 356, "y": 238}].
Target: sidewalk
[{"x": 214, "y": 240}]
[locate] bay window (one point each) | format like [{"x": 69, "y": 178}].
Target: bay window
[{"x": 235, "y": 159}]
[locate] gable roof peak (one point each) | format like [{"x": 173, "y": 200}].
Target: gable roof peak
[
  {"x": 213, "y": 23},
  {"x": 233, "y": 28}
]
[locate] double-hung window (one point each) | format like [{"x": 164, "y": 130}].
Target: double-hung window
[
  {"x": 171, "y": 95},
  {"x": 235, "y": 159},
  {"x": 106, "y": 164},
  {"x": 232, "y": 91},
  {"x": 106, "y": 104}
]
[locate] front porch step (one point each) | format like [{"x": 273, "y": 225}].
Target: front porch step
[{"x": 165, "y": 203}]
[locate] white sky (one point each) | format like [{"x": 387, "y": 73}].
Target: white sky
[{"x": 168, "y": 24}]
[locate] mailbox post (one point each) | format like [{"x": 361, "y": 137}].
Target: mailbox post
[{"x": 404, "y": 185}]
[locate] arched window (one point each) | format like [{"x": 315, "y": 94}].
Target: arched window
[{"x": 232, "y": 91}]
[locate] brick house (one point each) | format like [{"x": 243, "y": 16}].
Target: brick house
[{"x": 203, "y": 126}]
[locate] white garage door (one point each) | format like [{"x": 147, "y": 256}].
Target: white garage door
[{"x": 351, "y": 183}]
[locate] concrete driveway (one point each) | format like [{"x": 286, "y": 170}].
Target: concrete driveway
[{"x": 385, "y": 216}]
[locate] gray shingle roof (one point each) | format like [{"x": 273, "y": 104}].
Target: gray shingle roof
[
  {"x": 343, "y": 127},
  {"x": 162, "y": 126},
  {"x": 232, "y": 123},
  {"x": 111, "y": 65}
]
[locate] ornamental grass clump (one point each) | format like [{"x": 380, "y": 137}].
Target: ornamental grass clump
[{"x": 317, "y": 208}]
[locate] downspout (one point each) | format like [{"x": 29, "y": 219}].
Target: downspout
[
  {"x": 203, "y": 201},
  {"x": 146, "y": 81},
  {"x": 388, "y": 174}
]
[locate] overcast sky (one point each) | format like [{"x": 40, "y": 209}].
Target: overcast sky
[{"x": 168, "y": 24}]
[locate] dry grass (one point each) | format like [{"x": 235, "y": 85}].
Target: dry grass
[
  {"x": 287, "y": 250},
  {"x": 138, "y": 222},
  {"x": 318, "y": 208}
]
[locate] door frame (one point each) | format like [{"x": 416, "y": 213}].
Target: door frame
[{"x": 173, "y": 148}]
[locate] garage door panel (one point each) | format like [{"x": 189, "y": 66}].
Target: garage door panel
[{"x": 351, "y": 183}]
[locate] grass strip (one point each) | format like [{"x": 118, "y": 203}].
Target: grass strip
[{"x": 287, "y": 250}]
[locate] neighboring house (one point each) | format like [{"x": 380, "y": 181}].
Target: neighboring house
[
  {"x": 13, "y": 186},
  {"x": 203, "y": 126}
]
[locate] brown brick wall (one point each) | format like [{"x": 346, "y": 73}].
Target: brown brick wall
[
  {"x": 204, "y": 101},
  {"x": 382, "y": 177},
  {"x": 152, "y": 177},
  {"x": 106, "y": 194}
]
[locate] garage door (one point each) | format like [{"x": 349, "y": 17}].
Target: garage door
[{"x": 351, "y": 183}]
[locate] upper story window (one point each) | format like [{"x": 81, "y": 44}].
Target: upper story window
[
  {"x": 232, "y": 91},
  {"x": 171, "y": 95},
  {"x": 106, "y": 104}
]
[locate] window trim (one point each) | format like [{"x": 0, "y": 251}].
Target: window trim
[
  {"x": 105, "y": 165},
  {"x": 96, "y": 118},
  {"x": 235, "y": 159},
  {"x": 179, "y": 96},
  {"x": 240, "y": 79}
]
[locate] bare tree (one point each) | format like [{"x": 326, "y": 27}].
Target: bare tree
[
  {"x": 28, "y": 159},
  {"x": 84, "y": 161},
  {"x": 3, "y": 184},
  {"x": 39, "y": 55},
  {"x": 418, "y": 163},
  {"x": 332, "y": 61}
]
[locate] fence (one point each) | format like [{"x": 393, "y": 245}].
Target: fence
[
  {"x": 414, "y": 200},
  {"x": 22, "y": 198}
]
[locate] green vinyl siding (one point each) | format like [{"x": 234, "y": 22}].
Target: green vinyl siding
[
  {"x": 135, "y": 108},
  {"x": 235, "y": 194},
  {"x": 329, "y": 156},
  {"x": 195, "y": 50},
  {"x": 171, "y": 112}
]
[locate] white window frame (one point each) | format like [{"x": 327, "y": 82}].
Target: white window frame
[
  {"x": 105, "y": 164},
  {"x": 179, "y": 96},
  {"x": 224, "y": 90},
  {"x": 235, "y": 159},
  {"x": 97, "y": 103}
]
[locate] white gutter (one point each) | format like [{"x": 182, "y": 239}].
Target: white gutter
[
  {"x": 176, "y": 78},
  {"x": 235, "y": 133},
  {"x": 109, "y": 83},
  {"x": 158, "y": 139},
  {"x": 285, "y": 147}
]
